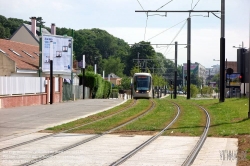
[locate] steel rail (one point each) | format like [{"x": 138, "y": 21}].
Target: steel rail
[
  {"x": 85, "y": 140},
  {"x": 147, "y": 142},
  {"x": 190, "y": 159}
]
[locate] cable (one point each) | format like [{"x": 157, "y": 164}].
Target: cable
[
  {"x": 176, "y": 36},
  {"x": 146, "y": 28},
  {"x": 195, "y": 5},
  {"x": 192, "y": 4},
  {"x": 166, "y": 30},
  {"x": 165, "y": 4},
  {"x": 146, "y": 19},
  {"x": 141, "y": 6}
]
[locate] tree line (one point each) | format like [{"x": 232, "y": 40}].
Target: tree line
[{"x": 111, "y": 54}]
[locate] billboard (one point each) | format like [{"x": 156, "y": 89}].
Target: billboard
[
  {"x": 233, "y": 80},
  {"x": 62, "y": 53},
  {"x": 193, "y": 68}
]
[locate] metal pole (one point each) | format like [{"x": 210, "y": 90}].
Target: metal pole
[
  {"x": 138, "y": 62},
  {"x": 222, "y": 53},
  {"x": 175, "y": 72},
  {"x": 40, "y": 52},
  {"x": 188, "y": 55},
  {"x": 83, "y": 83},
  {"x": 183, "y": 76},
  {"x": 71, "y": 75},
  {"x": 72, "y": 57},
  {"x": 249, "y": 79},
  {"x": 83, "y": 77},
  {"x": 51, "y": 72}
]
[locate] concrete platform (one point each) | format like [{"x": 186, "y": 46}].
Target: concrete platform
[{"x": 166, "y": 150}]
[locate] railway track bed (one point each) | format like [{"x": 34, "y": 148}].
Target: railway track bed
[
  {"x": 110, "y": 149},
  {"x": 165, "y": 150}
]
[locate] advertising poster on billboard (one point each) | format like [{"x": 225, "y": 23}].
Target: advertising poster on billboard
[
  {"x": 193, "y": 69},
  {"x": 233, "y": 80},
  {"x": 62, "y": 53}
]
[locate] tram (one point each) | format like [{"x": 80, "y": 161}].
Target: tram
[{"x": 142, "y": 86}]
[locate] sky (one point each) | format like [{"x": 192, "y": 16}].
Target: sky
[{"x": 118, "y": 17}]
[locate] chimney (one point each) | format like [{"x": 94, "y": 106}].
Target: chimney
[
  {"x": 53, "y": 29},
  {"x": 33, "y": 25}
]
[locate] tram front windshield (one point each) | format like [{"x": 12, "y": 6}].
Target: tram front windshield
[{"x": 142, "y": 83}]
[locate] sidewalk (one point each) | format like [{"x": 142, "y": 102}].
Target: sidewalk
[{"x": 20, "y": 121}]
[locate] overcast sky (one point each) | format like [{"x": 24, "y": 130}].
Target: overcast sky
[{"x": 119, "y": 18}]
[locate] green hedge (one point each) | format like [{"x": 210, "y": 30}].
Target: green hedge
[{"x": 99, "y": 88}]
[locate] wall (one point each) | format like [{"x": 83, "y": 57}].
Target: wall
[
  {"x": 32, "y": 99},
  {"x": 22, "y": 100},
  {"x": 7, "y": 66},
  {"x": 23, "y": 36}
]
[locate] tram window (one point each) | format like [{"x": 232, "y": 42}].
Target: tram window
[{"x": 142, "y": 83}]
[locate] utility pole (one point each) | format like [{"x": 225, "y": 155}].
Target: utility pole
[
  {"x": 175, "y": 72},
  {"x": 222, "y": 53},
  {"x": 138, "y": 61},
  {"x": 188, "y": 55}
]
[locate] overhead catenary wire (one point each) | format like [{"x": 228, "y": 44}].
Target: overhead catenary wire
[
  {"x": 141, "y": 6},
  {"x": 164, "y": 5},
  {"x": 166, "y": 30},
  {"x": 175, "y": 36},
  {"x": 195, "y": 4},
  {"x": 146, "y": 28}
]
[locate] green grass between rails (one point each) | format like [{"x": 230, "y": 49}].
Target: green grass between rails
[
  {"x": 116, "y": 120},
  {"x": 227, "y": 119},
  {"x": 155, "y": 120},
  {"x": 91, "y": 118},
  {"x": 190, "y": 121}
]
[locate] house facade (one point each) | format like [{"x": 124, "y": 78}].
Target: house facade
[{"x": 29, "y": 34}]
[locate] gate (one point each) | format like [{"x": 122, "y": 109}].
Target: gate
[{"x": 67, "y": 91}]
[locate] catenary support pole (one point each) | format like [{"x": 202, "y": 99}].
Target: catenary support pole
[
  {"x": 175, "y": 72},
  {"x": 188, "y": 55},
  {"x": 222, "y": 53}
]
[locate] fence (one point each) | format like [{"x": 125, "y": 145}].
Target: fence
[
  {"x": 77, "y": 92},
  {"x": 22, "y": 85}
]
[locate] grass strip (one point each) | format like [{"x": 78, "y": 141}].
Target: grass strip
[
  {"x": 90, "y": 118},
  {"x": 191, "y": 121},
  {"x": 154, "y": 121},
  {"x": 116, "y": 120},
  {"x": 227, "y": 118}
]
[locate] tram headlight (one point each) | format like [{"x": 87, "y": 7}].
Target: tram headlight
[
  {"x": 147, "y": 91},
  {"x": 136, "y": 91}
]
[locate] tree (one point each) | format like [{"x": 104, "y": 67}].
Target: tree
[
  {"x": 145, "y": 51},
  {"x": 113, "y": 65},
  {"x": 126, "y": 82},
  {"x": 193, "y": 90},
  {"x": 134, "y": 70}
]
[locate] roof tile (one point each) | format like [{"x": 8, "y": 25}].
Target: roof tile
[{"x": 25, "y": 61}]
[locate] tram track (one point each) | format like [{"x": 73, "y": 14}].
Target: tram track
[
  {"x": 36, "y": 160},
  {"x": 192, "y": 155},
  {"x": 65, "y": 131}
]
